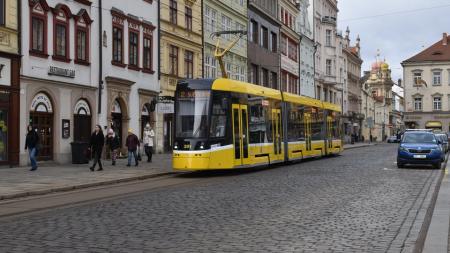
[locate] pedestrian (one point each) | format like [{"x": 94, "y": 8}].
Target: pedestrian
[
  {"x": 371, "y": 138},
  {"x": 148, "y": 141},
  {"x": 112, "y": 140},
  {"x": 96, "y": 144},
  {"x": 132, "y": 144},
  {"x": 31, "y": 144}
]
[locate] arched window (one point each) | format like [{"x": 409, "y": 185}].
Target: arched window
[
  {"x": 38, "y": 27},
  {"x": 61, "y": 18},
  {"x": 82, "y": 33}
]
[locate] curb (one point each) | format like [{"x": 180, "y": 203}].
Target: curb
[{"x": 82, "y": 186}]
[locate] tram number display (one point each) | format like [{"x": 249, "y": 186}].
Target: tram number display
[
  {"x": 265, "y": 102},
  {"x": 193, "y": 94}
]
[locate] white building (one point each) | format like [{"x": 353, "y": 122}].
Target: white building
[
  {"x": 305, "y": 28},
  {"x": 130, "y": 64},
  {"x": 64, "y": 64},
  {"x": 329, "y": 62},
  {"x": 59, "y": 75},
  {"x": 426, "y": 80}
]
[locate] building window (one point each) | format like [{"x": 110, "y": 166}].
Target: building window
[
  {"x": 274, "y": 80},
  {"x": 328, "y": 38},
  {"x": 173, "y": 12},
  {"x": 133, "y": 48},
  {"x": 284, "y": 81},
  {"x": 293, "y": 84},
  {"x": 254, "y": 31},
  {"x": 437, "y": 77},
  {"x": 2, "y": 12},
  {"x": 82, "y": 23},
  {"x": 328, "y": 67},
  {"x": 210, "y": 19},
  {"x": 283, "y": 44},
  {"x": 228, "y": 70},
  {"x": 37, "y": 34},
  {"x": 226, "y": 25},
  {"x": 61, "y": 34},
  {"x": 210, "y": 67},
  {"x": 82, "y": 45},
  {"x": 254, "y": 74},
  {"x": 273, "y": 42},
  {"x": 173, "y": 60},
  {"x": 38, "y": 29},
  {"x": 437, "y": 103},
  {"x": 417, "y": 76},
  {"x": 264, "y": 37},
  {"x": 265, "y": 77},
  {"x": 117, "y": 44},
  {"x": 189, "y": 64},
  {"x": 188, "y": 18},
  {"x": 242, "y": 76},
  {"x": 241, "y": 27},
  {"x": 417, "y": 104},
  {"x": 318, "y": 92},
  {"x": 148, "y": 53},
  {"x": 292, "y": 50}
]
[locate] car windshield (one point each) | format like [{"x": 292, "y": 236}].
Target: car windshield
[
  {"x": 192, "y": 114},
  {"x": 419, "y": 138}
]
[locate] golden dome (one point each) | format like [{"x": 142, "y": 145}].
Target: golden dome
[{"x": 384, "y": 66}]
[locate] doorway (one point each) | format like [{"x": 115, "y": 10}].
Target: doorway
[
  {"x": 41, "y": 118},
  {"x": 240, "y": 134}
]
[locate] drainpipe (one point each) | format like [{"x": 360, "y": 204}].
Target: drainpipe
[
  {"x": 203, "y": 43},
  {"x": 19, "y": 25},
  {"x": 159, "y": 43},
  {"x": 100, "y": 57}
]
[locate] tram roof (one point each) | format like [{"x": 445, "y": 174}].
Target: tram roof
[
  {"x": 246, "y": 88},
  {"x": 297, "y": 99},
  {"x": 330, "y": 106}
]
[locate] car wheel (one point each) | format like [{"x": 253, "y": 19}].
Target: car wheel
[{"x": 437, "y": 165}]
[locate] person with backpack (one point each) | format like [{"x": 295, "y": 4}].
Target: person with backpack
[
  {"x": 96, "y": 144},
  {"x": 31, "y": 144},
  {"x": 112, "y": 140}
]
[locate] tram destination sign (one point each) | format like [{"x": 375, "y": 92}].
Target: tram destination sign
[{"x": 56, "y": 71}]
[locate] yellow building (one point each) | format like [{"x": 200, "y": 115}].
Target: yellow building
[
  {"x": 181, "y": 53},
  {"x": 9, "y": 83}
]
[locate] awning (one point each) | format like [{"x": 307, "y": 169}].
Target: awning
[{"x": 433, "y": 124}]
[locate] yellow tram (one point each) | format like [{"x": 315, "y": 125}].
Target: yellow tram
[{"x": 227, "y": 124}]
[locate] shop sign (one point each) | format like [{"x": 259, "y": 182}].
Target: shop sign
[
  {"x": 55, "y": 71},
  {"x": 65, "y": 129},
  {"x": 82, "y": 108},
  {"x": 41, "y": 103},
  {"x": 5, "y": 71},
  {"x": 165, "y": 108}
]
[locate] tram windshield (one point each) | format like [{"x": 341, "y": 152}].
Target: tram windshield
[{"x": 192, "y": 113}]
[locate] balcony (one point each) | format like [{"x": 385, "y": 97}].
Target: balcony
[{"x": 329, "y": 20}]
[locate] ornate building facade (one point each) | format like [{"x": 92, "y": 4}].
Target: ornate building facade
[{"x": 305, "y": 29}]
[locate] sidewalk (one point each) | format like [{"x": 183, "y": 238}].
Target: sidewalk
[
  {"x": 437, "y": 238},
  {"x": 359, "y": 145},
  {"x": 20, "y": 182}
]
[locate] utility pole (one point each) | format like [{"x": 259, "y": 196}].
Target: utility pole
[{"x": 219, "y": 53}]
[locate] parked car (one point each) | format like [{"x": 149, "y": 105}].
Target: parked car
[
  {"x": 443, "y": 137},
  {"x": 420, "y": 147},
  {"x": 392, "y": 139}
]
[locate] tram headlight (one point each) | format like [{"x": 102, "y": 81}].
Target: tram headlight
[
  {"x": 202, "y": 145},
  {"x": 175, "y": 145}
]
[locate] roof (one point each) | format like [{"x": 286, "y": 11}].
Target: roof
[
  {"x": 246, "y": 88},
  {"x": 437, "y": 52}
]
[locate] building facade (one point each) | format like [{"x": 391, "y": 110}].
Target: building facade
[
  {"x": 59, "y": 75},
  {"x": 289, "y": 46},
  {"x": 129, "y": 48},
  {"x": 263, "y": 51},
  {"x": 9, "y": 83},
  {"x": 329, "y": 66},
  {"x": 181, "y": 57},
  {"x": 307, "y": 50},
  {"x": 225, "y": 16},
  {"x": 426, "y": 80}
]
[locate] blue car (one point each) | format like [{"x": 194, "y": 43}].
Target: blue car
[{"x": 420, "y": 147}]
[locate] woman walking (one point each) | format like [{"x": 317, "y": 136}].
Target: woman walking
[
  {"x": 112, "y": 140},
  {"x": 31, "y": 143},
  {"x": 148, "y": 141},
  {"x": 96, "y": 145}
]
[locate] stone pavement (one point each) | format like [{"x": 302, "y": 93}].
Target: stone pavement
[
  {"x": 20, "y": 182},
  {"x": 359, "y": 145}
]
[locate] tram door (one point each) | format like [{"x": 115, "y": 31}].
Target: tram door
[
  {"x": 308, "y": 131},
  {"x": 329, "y": 134},
  {"x": 276, "y": 133},
  {"x": 240, "y": 134}
]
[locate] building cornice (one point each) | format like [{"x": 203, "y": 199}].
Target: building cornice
[{"x": 55, "y": 82}]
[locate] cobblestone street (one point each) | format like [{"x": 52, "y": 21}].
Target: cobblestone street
[{"x": 356, "y": 202}]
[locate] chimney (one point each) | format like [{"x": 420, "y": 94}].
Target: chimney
[{"x": 444, "y": 39}]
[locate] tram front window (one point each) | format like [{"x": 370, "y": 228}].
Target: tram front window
[{"x": 192, "y": 114}]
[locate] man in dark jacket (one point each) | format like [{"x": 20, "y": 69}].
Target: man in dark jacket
[
  {"x": 31, "y": 144},
  {"x": 132, "y": 144},
  {"x": 96, "y": 144}
]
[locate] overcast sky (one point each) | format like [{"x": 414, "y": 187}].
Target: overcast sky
[{"x": 416, "y": 25}]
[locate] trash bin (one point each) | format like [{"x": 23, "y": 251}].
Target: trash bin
[{"x": 79, "y": 152}]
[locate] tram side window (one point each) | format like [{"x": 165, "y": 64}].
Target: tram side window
[
  {"x": 336, "y": 126},
  {"x": 316, "y": 124},
  {"x": 257, "y": 121},
  {"x": 219, "y": 116},
  {"x": 296, "y": 128}
]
